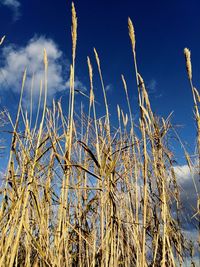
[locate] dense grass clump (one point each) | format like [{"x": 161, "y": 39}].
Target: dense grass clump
[{"x": 79, "y": 192}]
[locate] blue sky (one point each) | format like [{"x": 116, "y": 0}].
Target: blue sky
[{"x": 163, "y": 29}]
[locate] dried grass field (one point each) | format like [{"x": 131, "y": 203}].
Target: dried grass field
[{"x": 80, "y": 192}]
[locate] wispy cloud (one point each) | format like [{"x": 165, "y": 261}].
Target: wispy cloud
[
  {"x": 14, "y": 5},
  {"x": 152, "y": 87}
]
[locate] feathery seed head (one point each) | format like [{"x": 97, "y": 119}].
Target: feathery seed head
[
  {"x": 131, "y": 33},
  {"x": 91, "y": 84},
  {"x": 187, "y": 54},
  {"x": 74, "y": 30},
  {"x": 45, "y": 59},
  {"x": 124, "y": 83},
  {"x": 90, "y": 68},
  {"x": 97, "y": 57},
  {"x": 118, "y": 111}
]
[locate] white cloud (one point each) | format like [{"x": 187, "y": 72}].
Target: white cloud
[
  {"x": 189, "y": 224},
  {"x": 187, "y": 179},
  {"x": 15, "y": 60},
  {"x": 183, "y": 173},
  {"x": 14, "y": 5},
  {"x": 189, "y": 184}
]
